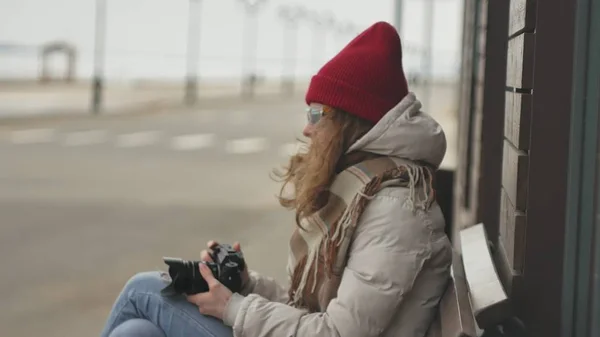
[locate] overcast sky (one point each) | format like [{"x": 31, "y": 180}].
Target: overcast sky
[{"x": 148, "y": 38}]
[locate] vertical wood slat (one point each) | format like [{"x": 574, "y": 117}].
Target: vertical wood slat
[
  {"x": 521, "y": 16},
  {"x": 511, "y": 279},
  {"x": 515, "y": 171},
  {"x": 512, "y": 232},
  {"x": 465, "y": 96},
  {"x": 519, "y": 66},
  {"x": 481, "y": 36},
  {"x": 517, "y": 119}
]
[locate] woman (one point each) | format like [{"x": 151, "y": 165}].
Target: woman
[{"x": 369, "y": 256}]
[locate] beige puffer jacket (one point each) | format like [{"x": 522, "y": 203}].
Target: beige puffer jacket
[{"x": 399, "y": 261}]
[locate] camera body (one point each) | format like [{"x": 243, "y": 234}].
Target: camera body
[{"x": 227, "y": 267}]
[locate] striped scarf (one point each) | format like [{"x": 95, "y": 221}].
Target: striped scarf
[{"x": 319, "y": 251}]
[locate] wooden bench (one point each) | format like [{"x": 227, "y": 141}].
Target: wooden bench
[{"x": 475, "y": 299}]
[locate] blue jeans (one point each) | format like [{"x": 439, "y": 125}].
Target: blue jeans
[{"x": 141, "y": 311}]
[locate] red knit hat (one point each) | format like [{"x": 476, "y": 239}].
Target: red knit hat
[{"x": 365, "y": 78}]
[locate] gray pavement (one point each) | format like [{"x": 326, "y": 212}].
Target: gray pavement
[
  {"x": 81, "y": 213},
  {"x": 87, "y": 202}
]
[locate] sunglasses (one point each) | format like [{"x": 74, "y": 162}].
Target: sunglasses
[{"x": 314, "y": 114}]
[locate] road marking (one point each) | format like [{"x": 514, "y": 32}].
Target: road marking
[
  {"x": 31, "y": 136},
  {"x": 291, "y": 149},
  {"x": 192, "y": 142},
  {"x": 138, "y": 139},
  {"x": 246, "y": 145},
  {"x": 89, "y": 137}
]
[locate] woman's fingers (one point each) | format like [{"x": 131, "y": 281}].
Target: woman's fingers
[{"x": 205, "y": 256}]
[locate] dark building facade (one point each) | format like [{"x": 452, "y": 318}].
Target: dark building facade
[{"x": 528, "y": 155}]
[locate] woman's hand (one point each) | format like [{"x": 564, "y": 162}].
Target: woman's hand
[
  {"x": 205, "y": 256},
  {"x": 213, "y": 302}
]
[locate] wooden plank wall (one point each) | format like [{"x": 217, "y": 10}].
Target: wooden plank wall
[
  {"x": 478, "y": 178},
  {"x": 461, "y": 213},
  {"x": 495, "y": 27},
  {"x": 517, "y": 128},
  {"x": 470, "y": 113},
  {"x": 512, "y": 169},
  {"x": 479, "y": 92}
]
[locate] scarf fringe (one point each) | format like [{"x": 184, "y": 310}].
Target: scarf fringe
[{"x": 330, "y": 242}]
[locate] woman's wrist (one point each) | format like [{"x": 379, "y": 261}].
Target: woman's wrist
[{"x": 232, "y": 308}]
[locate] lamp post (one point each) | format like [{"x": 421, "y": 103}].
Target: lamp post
[
  {"x": 428, "y": 50},
  {"x": 398, "y": 7},
  {"x": 320, "y": 22},
  {"x": 249, "y": 75},
  {"x": 193, "y": 52},
  {"x": 344, "y": 32},
  {"x": 99, "y": 45},
  {"x": 345, "y": 29},
  {"x": 290, "y": 16}
]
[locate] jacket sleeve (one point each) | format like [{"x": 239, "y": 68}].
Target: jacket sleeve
[
  {"x": 384, "y": 261},
  {"x": 266, "y": 287}
]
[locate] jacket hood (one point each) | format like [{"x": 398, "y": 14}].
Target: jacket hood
[{"x": 406, "y": 132}]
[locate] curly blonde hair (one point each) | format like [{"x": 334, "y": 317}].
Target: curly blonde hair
[{"x": 310, "y": 174}]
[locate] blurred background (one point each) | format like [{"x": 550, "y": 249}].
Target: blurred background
[{"x": 136, "y": 129}]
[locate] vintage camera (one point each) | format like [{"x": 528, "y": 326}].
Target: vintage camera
[{"x": 227, "y": 267}]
